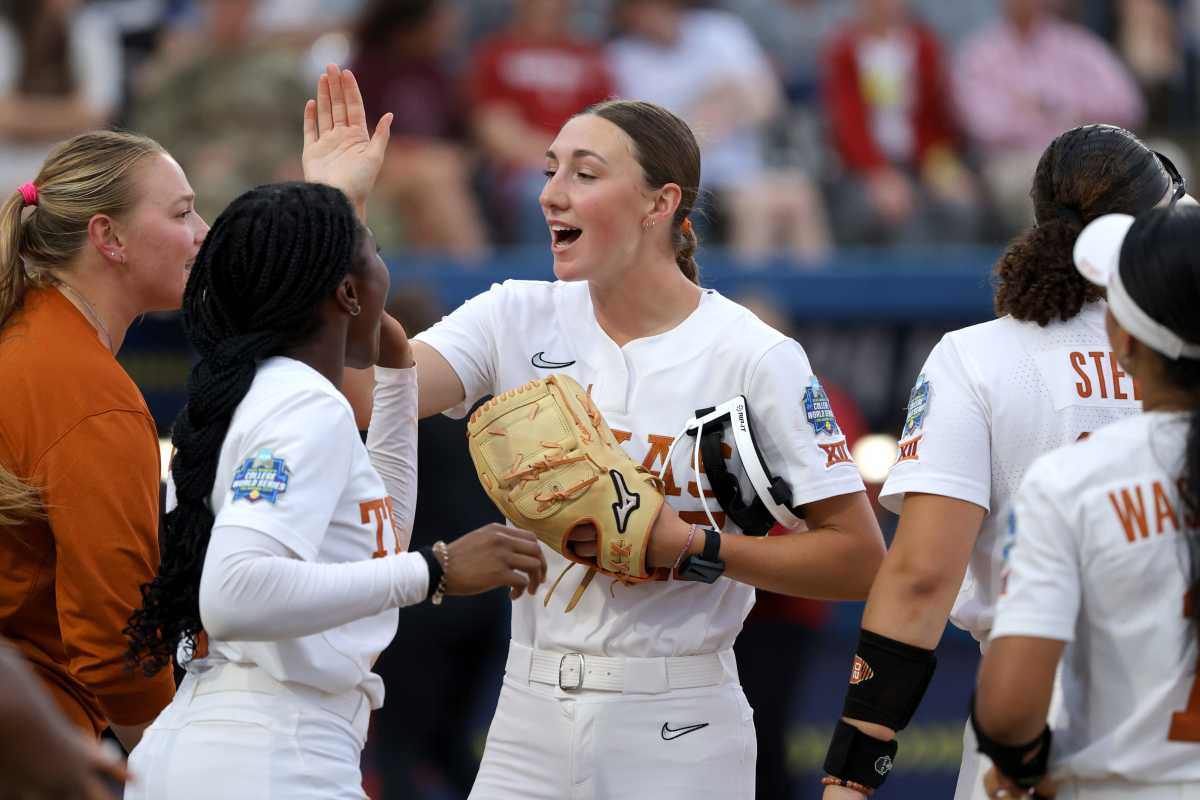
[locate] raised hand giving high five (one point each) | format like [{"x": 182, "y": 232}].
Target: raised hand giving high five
[{"x": 339, "y": 149}]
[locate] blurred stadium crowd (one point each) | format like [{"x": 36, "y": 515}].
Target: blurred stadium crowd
[
  {"x": 826, "y": 125},
  {"x": 824, "y": 122}
]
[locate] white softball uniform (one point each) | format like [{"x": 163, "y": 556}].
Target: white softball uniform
[
  {"x": 1097, "y": 560},
  {"x": 989, "y": 400},
  {"x": 301, "y": 581},
  {"x": 668, "y": 643}
]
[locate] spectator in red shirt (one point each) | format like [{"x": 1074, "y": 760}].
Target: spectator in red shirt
[
  {"x": 401, "y": 65},
  {"x": 526, "y": 82},
  {"x": 891, "y": 121}
]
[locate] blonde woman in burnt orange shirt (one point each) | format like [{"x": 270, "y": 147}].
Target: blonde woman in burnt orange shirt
[{"x": 105, "y": 232}]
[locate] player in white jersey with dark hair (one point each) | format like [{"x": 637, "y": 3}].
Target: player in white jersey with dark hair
[
  {"x": 1104, "y": 555},
  {"x": 989, "y": 399},
  {"x": 285, "y": 543},
  {"x": 634, "y": 691}
]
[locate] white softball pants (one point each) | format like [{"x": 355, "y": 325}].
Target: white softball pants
[
  {"x": 550, "y": 743},
  {"x": 237, "y": 734}
]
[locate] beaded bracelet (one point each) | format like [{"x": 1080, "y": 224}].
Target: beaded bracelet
[
  {"x": 686, "y": 547},
  {"x": 443, "y": 553},
  {"x": 829, "y": 780}
]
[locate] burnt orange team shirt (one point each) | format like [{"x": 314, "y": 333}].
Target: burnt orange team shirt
[{"x": 73, "y": 423}]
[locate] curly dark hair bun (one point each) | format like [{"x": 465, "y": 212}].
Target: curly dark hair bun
[{"x": 1085, "y": 173}]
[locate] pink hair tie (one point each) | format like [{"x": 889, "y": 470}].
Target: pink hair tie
[{"x": 29, "y": 193}]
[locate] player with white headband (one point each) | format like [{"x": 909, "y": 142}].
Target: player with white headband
[
  {"x": 1104, "y": 555},
  {"x": 989, "y": 399}
]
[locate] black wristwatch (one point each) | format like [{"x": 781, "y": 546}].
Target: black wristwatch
[{"x": 707, "y": 566}]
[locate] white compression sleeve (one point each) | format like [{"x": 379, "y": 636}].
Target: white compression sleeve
[
  {"x": 253, "y": 588},
  {"x": 392, "y": 442}
]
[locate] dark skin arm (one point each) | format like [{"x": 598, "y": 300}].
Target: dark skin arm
[{"x": 41, "y": 755}]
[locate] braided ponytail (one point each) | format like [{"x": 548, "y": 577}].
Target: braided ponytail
[{"x": 269, "y": 261}]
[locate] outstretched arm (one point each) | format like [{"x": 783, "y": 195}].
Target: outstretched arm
[
  {"x": 339, "y": 149},
  {"x": 835, "y": 559}
]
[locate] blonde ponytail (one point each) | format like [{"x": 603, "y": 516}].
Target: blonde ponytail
[
  {"x": 87, "y": 175},
  {"x": 19, "y": 502},
  {"x": 12, "y": 270}
]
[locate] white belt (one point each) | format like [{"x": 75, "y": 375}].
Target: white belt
[
  {"x": 352, "y": 706},
  {"x": 574, "y": 671}
]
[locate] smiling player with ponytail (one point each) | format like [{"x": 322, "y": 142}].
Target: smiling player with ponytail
[{"x": 632, "y": 690}]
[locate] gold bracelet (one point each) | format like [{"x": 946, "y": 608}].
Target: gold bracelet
[{"x": 443, "y": 555}]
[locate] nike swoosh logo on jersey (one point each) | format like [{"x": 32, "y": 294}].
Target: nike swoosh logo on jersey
[
  {"x": 627, "y": 501},
  {"x": 669, "y": 733},
  {"x": 541, "y": 363}
]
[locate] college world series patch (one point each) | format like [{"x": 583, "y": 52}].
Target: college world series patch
[
  {"x": 260, "y": 477},
  {"x": 918, "y": 407},
  {"x": 818, "y": 410}
]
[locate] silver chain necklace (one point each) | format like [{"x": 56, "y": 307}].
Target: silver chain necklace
[{"x": 89, "y": 311}]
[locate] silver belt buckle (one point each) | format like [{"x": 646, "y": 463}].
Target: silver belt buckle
[{"x": 562, "y": 662}]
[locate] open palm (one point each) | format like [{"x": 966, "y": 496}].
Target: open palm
[{"x": 339, "y": 150}]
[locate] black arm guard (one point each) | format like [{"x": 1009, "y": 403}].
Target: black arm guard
[
  {"x": 888, "y": 680},
  {"x": 1015, "y": 761},
  {"x": 855, "y": 756}
]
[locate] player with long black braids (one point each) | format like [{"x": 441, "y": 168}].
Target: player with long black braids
[
  {"x": 1103, "y": 554},
  {"x": 284, "y": 546},
  {"x": 217, "y": 305}
]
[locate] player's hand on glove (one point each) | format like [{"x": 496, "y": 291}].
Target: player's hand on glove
[
  {"x": 667, "y": 538},
  {"x": 495, "y": 555},
  {"x": 550, "y": 463},
  {"x": 339, "y": 149},
  {"x": 582, "y": 541}
]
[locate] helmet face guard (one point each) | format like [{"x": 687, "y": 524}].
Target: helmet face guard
[{"x": 773, "y": 498}]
